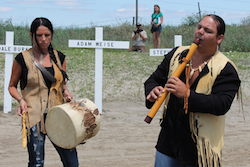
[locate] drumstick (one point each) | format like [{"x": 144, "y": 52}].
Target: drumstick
[
  {"x": 24, "y": 131},
  {"x": 177, "y": 73}
]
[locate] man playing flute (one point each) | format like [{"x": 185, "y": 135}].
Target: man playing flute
[{"x": 193, "y": 117}]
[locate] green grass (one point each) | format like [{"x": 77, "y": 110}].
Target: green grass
[
  {"x": 241, "y": 59},
  {"x": 123, "y": 73}
]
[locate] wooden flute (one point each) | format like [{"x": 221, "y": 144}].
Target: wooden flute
[{"x": 177, "y": 73}]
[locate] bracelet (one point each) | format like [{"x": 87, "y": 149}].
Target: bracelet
[{"x": 20, "y": 100}]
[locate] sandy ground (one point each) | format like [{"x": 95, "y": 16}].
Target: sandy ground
[{"x": 124, "y": 139}]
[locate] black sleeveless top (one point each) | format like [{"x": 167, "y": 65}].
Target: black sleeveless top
[{"x": 23, "y": 80}]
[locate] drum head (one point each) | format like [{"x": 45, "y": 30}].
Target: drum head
[{"x": 61, "y": 129}]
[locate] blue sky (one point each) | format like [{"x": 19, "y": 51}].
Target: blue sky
[{"x": 85, "y": 13}]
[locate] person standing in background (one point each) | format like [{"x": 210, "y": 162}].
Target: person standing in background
[{"x": 157, "y": 20}]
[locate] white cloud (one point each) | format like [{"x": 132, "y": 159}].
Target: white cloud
[
  {"x": 78, "y": 9},
  {"x": 121, "y": 10},
  {"x": 26, "y": 2},
  {"x": 131, "y": 12},
  {"x": 33, "y": 1},
  {"x": 5, "y": 9},
  {"x": 235, "y": 15},
  {"x": 144, "y": 9},
  {"x": 67, "y": 2},
  {"x": 180, "y": 11}
]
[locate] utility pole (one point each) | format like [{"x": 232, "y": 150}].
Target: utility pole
[
  {"x": 199, "y": 10},
  {"x": 136, "y": 13}
]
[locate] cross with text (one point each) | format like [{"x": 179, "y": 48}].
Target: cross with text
[
  {"x": 9, "y": 49},
  {"x": 98, "y": 44}
]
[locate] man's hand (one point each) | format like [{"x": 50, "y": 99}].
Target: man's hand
[
  {"x": 155, "y": 93},
  {"x": 177, "y": 87}
]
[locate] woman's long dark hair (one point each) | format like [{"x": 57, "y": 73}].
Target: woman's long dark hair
[{"x": 41, "y": 21}]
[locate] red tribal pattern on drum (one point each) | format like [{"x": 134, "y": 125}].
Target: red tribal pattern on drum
[{"x": 89, "y": 117}]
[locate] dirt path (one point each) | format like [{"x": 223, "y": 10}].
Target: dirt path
[{"x": 124, "y": 139}]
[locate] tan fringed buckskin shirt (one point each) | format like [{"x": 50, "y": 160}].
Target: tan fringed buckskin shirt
[{"x": 36, "y": 93}]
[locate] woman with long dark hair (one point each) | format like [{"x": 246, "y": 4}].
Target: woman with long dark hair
[{"x": 41, "y": 89}]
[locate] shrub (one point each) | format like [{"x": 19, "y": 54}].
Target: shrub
[{"x": 236, "y": 36}]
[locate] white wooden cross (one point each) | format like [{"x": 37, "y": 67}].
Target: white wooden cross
[
  {"x": 98, "y": 44},
  {"x": 163, "y": 51},
  {"x": 9, "y": 48}
]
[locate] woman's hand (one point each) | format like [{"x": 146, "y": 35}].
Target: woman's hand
[
  {"x": 155, "y": 93},
  {"x": 67, "y": 95},
  {"x": 22, "y": 107}
]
